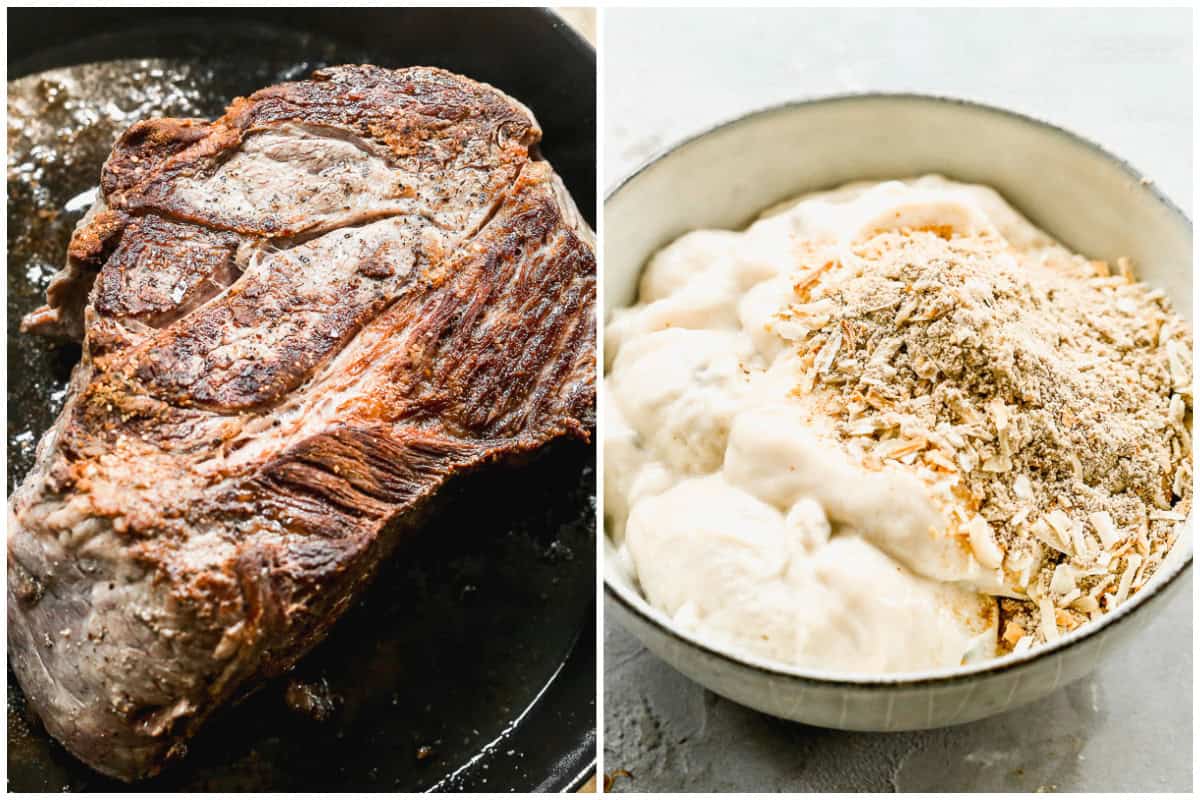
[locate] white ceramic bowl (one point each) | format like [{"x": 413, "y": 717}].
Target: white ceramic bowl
[{"x": 1090, "y": 200}]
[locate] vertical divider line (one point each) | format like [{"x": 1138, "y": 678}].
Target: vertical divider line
[{"x": 599, "y": 449}]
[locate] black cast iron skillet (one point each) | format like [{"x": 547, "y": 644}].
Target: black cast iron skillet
[{"x": 470, "y": 663}]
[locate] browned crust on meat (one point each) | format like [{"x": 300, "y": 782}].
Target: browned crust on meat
[
  {"x": 424, "y": 116},
  {"x": 163, "y": 270},
  {"x": 90, "y": 242}
]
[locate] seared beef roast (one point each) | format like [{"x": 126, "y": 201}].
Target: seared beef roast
[{"x": 297, "y": 322}]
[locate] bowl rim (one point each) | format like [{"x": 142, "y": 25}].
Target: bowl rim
[
  {"x": 942, "y": 676},
  {"x": 662, "y": 152}
]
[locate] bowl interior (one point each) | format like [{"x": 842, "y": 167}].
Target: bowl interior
[{"x": 1088, "y": 199}]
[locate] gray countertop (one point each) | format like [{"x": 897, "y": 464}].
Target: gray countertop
[{"x": 1120, "y": 77}]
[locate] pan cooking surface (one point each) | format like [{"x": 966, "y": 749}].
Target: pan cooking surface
[{"x": 469, "y": 664}]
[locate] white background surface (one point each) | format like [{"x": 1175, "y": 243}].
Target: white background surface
[{"x": 1122, "y": 78}]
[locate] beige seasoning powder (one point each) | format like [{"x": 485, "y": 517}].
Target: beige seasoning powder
[{"x": 1046, "y": 403}]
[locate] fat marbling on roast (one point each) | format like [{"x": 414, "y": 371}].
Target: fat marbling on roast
[{"x": 297, "y": 322}]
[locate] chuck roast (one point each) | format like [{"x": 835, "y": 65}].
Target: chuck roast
[{"x": 298, "y": 321}]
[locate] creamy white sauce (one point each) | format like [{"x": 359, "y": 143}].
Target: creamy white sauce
[{"x": 732, "y": 512}]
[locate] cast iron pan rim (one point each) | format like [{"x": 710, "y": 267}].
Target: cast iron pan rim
[
  {"x": 39, "y": 59},
  {"x": 930, "y": 678}
]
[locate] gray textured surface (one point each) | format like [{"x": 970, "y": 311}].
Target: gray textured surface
[{"x": 1120, "y": 77}]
